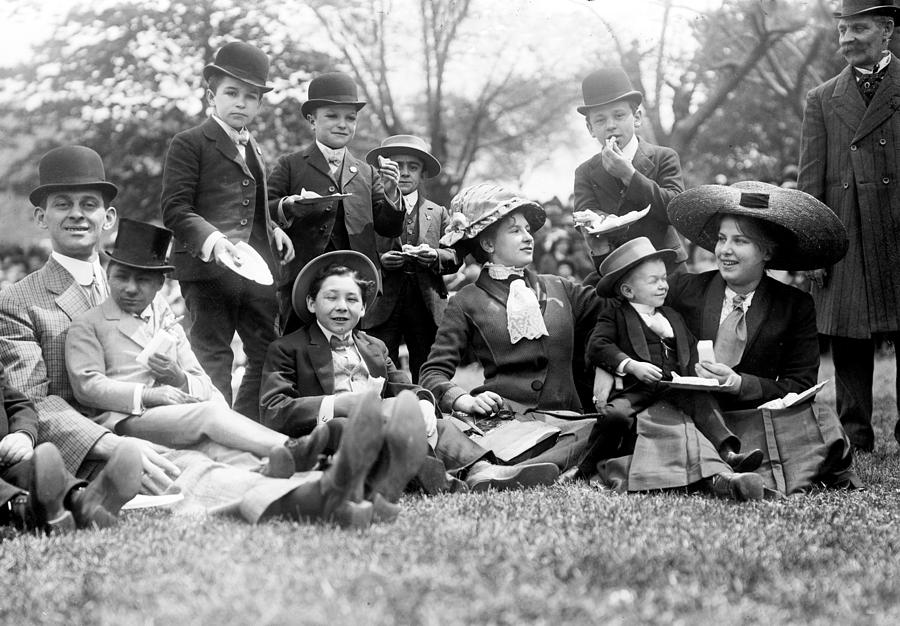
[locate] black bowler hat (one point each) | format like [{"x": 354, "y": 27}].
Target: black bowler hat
[
  {"x": 71, "y": 167},
  {"x": 605, "y": 86},
  {"x": 851, "y": 8},
  {"x": 331, "y": 88},
  {"x": 141, "y": 245},
  {"x": 242, "y": 61}
]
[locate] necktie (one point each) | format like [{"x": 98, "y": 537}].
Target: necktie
[
  {"x": 243, "y": 137},
  {"x": 731, "y": 339},
  {"x": 659, "y": 325},
  {"x": 334, "y": 164},
  {"x": 340, "y": 344},
  {"x": 97, "y": 291}
]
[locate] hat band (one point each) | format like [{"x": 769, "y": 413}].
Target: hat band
[{"x": 754, "y": 200}]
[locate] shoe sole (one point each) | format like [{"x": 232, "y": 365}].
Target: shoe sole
[
  {"x": 280, "y": 463},
  {"x": 747, "y": 488},
  {"x": 750, "y": 463},
  {"x": 528, "y": 476},
  {"x": 49, "y": 490},
  {"x": 405, "y": 448},
  {"x": 120, "y": 480}
]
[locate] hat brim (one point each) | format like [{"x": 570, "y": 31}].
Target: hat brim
[
  {"x": 136, "y": 265},
  {"x": 534, "y": 214},
  {"x": 817, "y": 238},
  {"x": 108, "y": 190},
  {"x": 607, "y": 283},
  {"x": 635, "y": 96},
  {"x": 309, "y": 107},
  {"x": 432, "y": 165},
  {"x": 356, "y": 261},
  {"x": 212, "y": 67},
  {"x": 888, "y": 11}
]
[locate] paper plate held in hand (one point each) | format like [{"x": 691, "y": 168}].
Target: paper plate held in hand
[
  {"x": 596, "y": 224},
  {"x": 316, "y": 199},
  {"x": 141, "y": 501},
  {"x": 692, "y": 382},
  {"x": 253, "y": 266}
]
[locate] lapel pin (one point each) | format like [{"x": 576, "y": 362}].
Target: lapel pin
[{"x": 353, "y": 169}]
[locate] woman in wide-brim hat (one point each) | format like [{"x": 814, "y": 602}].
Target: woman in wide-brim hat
[
  {"x": 752, "y": 227},
  {"x": 527, "y": 330}
]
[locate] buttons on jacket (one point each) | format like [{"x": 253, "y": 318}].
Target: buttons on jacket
[
  {"x": 846, "y": 185},
  {"x": 885, "y": 180},
  {"x": 244, "y": 222},
  {"x": 331, "y": 189},
  {"x": 537, "y": 385},
  {"x": 245, "y": 182},
  {"x": 245, "y": 202},
  {"x": 854, "y": 148},
  {"x": 882, "y": 141}
]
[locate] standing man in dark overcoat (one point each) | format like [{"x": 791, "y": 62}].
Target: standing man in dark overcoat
[{"x": 849, "y": 160}]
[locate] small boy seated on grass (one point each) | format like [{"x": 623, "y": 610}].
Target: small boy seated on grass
[{"x": 644, "y": 342}]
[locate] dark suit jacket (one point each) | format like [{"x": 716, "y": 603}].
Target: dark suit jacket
[
  {"x": 782, "y": 351},
  {"x": 657, "y": 179},
  {"x": 433, "y": 220},
  {"x": 849, "y": 160},
  {"x": 620, "y": 334},
  {"x": 367, "y": 211},
  {"x": 207, "y": 187},
  {"x": 17, "y": 412},
  {"x": 299, "y": 372}
]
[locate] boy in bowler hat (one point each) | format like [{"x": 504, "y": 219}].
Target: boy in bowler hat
[
  {"x": 628, "y": 173},
  {"x": 301, "y": 185},
  {"x": 214, "y": 196},
  {"x": 413, "y": 265}
]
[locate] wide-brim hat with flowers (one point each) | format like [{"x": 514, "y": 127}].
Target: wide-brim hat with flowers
[
  {"x": 810, "y": 235},
  {"x": 475, "y": 208},
  {"x": 356, "y": 261}
]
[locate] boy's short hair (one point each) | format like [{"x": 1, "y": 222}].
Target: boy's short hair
[
  {"x": 113, "y": 263},
  {"x": 339, "y": 270},
  {"x": 216, "y": 77}
]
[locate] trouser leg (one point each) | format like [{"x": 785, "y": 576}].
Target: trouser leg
[
  {"x": 212, "y": 305},
  {"x": 854, "y": 364},
  {"x": 256, "y": 326}
]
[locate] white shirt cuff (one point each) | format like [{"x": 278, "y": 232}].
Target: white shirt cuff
[
  {"x": 207, "y": 248},
  {"x": 620, "y": 371},
  {"x": 326, "y": 409},
  {"x": 283, "y": 220},
  {"x": 137, "y": 403}
]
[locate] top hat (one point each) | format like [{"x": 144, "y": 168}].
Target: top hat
[
  {"x": 142, "y": 246},
  {"x": 625, "y": 258},
  {"x": 476, "y": 207},
  {"x": 811, "y": 236},
  {"x": 850, "y": 8},
  {"x": 243, "y": 61},
  {"x": 71, "y": 167},
  {"x": 406, "y": 144},
  {"x": 356, "y": 261},
  {"x": 605, "y": 86},
  {"x": 331, "y": 88}
]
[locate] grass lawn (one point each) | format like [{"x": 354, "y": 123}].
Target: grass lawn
[{"x": 549, "y": 556}]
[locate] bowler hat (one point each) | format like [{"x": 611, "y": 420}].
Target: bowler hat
[
  {"x": 625, "y": 258},
  {"x": 356, "y": 261},
  {"x": 141, "y": 245},
  {"x": 605, "y": 86},
  {"x": 331, "y": 88},
  {"x": 242, "y": 61},
  {"x": 406, "y": 144},
  {"x": 850, "y": 8},
  {"x": 71, "y": 167},
  {"x": 811, "y": 236}
]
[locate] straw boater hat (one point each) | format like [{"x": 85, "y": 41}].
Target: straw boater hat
[
  {"x": 606, "y": 86},
  {"x": 475, "y": 208},
  {"x": 142, "y": 246},
  {"x": 242, "y": 61},
  {"x": 850, "y": 8},
  {"x": 409, "y": 145},
  {"x": 810, "y": 235},
  {"x": 331, "y": 88},
  {"x": 71, "y": 167},
  {"x": 625, "y": 258},
  {"x": 347, "y": 258}
]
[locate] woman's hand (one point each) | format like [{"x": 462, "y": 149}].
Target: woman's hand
[
  {"x": 729, "y": 380},
  {"x": 603, "y": 385},
  {"x": 485, "y": 403},
  {"x": 643, "y": 371}
]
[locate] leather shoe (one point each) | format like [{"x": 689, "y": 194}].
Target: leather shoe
[
  {"x": 384, "y": 511},
  {"x": 49, "y": 486},
  {"x": 99, "y": 503},
  {"x": 744, "y": 461},
  {"x": 483, "y": 476},
  {"x": 741, "y": 487},
  {"x": 571, "y": 476},
  {"x": 404, "y": 451},
  {"x": 433, "y": 478},
  {"x": 298, "y": 454}
]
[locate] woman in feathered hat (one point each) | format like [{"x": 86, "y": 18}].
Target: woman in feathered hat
[{"x": 527, "y": 330}]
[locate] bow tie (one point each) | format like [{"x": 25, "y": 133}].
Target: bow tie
[
  {"x": 503, "y": 272},
  {"x": 243, "y": 137},
  {"x": 340, "y": 344},
  {"x": 334, "y": 161}
]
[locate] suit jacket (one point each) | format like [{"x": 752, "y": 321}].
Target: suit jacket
[
  {"x": 101, "y": 348},
  {"x": 848, "y": 160},
  {"x": 433, "y": 220},
  {"x": 657, "y": 179},
  {"x": 208, "y": 187},
  {"x": 782, "y": 351},
  {"x": 366, "y": 211},
  {"x": 17, "y": 413},
  {"x": 299, "y": 373},
  {"x": 35, "y": 314},
  {"x": 620, "y": 333},
  {"x": 538, "y": 373}
]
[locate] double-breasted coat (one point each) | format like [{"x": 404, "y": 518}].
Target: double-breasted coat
[{"x": 850, "y": 160}]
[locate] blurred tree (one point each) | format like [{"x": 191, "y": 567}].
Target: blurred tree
[
  {"x": 499, "y": 102},
  {"x": 124, "y": 78}
]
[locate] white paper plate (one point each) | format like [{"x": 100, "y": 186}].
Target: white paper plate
[
  {"x": 692, "y": 382},
  {"x": 253, "y": 268},
  {"x": 141, "y": 501},
  {"x": 315, "y": 199},
  {"x": 611, "y": 223}
]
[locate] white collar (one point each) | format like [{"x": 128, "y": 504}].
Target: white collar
[
  {"x": 731, "y": 293},
  {"x": 329, "y": 153},
  {"x": 328, "y": 334},
  {"x": 644, "y": 309},
  {"x": 630, "y": 148},
  {"x": 82, "y": 271},
  {"x": 878, "y": 66},
  {"x": 411, "y": 200},
  {"x": 232, "y": 133}
]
